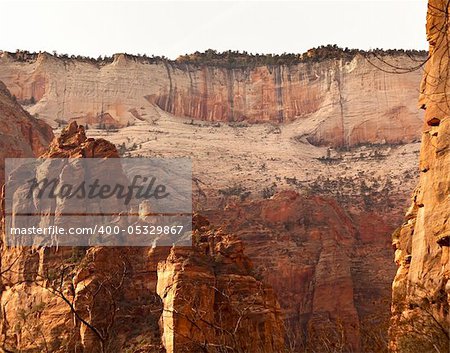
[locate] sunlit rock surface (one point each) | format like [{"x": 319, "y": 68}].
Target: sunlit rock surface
[{"x": 421, "y": 289}]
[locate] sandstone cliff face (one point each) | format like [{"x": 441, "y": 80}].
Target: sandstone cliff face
[
  {"x": 291, "y": 239},
  {"x": 212, "y": 302},
  {"x": 20, "y": 134},
  {"x": 336, "y": 102},
  {"x": 421, "y": 289},
  {"x": 105, "y": 299},
  {"x": 328, "y": 272}
]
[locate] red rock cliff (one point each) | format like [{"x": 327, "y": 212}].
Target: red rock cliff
[
  {"x": 421, "y": 289},
  {"x": 21, "y": 135},
  {"x": 211, "y": 300},
  {"x": 326, "y": 263}
]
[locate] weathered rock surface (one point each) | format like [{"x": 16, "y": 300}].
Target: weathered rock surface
[
  {"x": 336, "y": 243},
  {"x": 328, "y": 272},
  {"x": 365, "y": 185},
  {"x": 21, "y": 135},
  {"x": 67, "y": 299},
  {"x": 73, "y": 143},
  {"x": 213, "y": 303},
  {"x": 337, "y": 102},
  {"x": 421, "y": 289}
]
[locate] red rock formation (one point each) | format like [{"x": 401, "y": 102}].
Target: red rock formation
[
  {"x": 321, "y": 91},
  {"x": 421, "y": 289},
  {"x": 212, "y": 302},
  {"x": 67, "y": 299},
  {"x": 330, "y": 273},
  {"x": 105, "y": 299},
  {"x": 73, "y": 143}
]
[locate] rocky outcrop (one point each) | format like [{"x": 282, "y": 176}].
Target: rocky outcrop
[
  {"x": 212, "y": 302},
  {"x": 105, "y": 299},
  {"x": 67, "y": 299},
  {"x": 73, "y": 143},
  {"x": 340, "y": 102},
  {"x": 421, "y": 288},
  {"x": 21, "y": 135}
]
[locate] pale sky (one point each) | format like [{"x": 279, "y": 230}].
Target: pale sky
[{"x": 172, "y": 28}]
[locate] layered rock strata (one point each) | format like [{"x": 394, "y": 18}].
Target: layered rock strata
[{"x": 339, "y": 102}]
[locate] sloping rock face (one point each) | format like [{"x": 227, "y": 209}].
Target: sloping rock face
[
  {"x": 421, "y": 289},
  {"x": 336, "y": 102},
  {"x": 73, "y": 143},
  {"x": 21, "y": 135},
  {"x": 105, "y": 299},
  {"x": 71, "y": 299}
]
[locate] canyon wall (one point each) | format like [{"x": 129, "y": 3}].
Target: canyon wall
[
  {"x": 327, "y": 265},
  {"x": 421, "y": 289},
  {"x": 323, "y": 249},
  {"x": 203, "y": 298},
  {"x": 340, "y": 102}
]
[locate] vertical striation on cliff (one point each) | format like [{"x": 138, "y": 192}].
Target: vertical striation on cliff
[
  {"x": 330, "y": 274},
  {"x": 335, "y": 101},
  {"x": 421, "y": 289}
]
